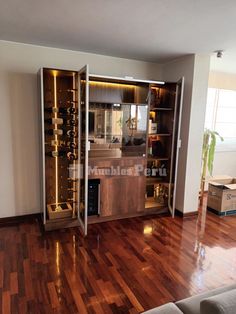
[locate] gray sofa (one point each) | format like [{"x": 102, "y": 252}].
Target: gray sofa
[{"x": 218, "y": 301}]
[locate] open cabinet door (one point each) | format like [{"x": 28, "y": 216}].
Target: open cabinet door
[
  {"x": 176, "y": 144},
  {"x": 83, "y": 94}
]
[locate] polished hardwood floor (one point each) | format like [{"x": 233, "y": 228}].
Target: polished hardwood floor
[{"x": 124, "y": 266}]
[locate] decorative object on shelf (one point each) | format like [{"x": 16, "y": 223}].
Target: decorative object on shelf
[{"x": 152, "y": 127}]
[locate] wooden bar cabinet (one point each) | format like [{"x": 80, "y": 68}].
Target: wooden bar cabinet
[{"x": 109, "y": 147}]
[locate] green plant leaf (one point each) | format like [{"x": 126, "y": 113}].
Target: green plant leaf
[
  {"x": 216, "y": 133},
  {"x": 211, "y": 152}
]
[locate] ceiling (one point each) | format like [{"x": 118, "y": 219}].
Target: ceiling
[{"x": 151, "y": 30}]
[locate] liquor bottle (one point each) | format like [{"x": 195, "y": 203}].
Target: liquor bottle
[
  {"x": 153, "y": 169},
  {"x": 54, "y": 121},
  {"x": 54, "y": 132},
  {"x": 154, "y": 172},
  {"x": 150, "y": 146}
]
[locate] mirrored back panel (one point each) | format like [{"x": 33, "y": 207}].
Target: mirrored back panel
[
  {"x": 118, "y": 112},
  {"x": 117, "y": 130}
]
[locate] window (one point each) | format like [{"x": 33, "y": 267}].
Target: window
[{"x": 221, "y": 117}]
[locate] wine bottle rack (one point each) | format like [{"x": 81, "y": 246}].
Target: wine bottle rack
[{"x": 61, "y": 146}]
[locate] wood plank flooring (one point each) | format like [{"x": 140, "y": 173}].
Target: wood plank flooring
[{"x": 124, "y": 266}]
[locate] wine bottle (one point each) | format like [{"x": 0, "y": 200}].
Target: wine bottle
[
  {"x": 69, "y": 90},
  {"x": 71, "y": 122},
  {"x": 56, "y": 153},
  {"x": 54, "y": 132},
  {"x": 71, "y": 145},
  {"x": 52, "y": 109},
  {"x": 54, "y": 121},
  {"x": 70, "y": 110},
  {"x": 71, "y": 156},
  {"x": 60, "y": 153},
  {"x": 70, "y": 133},
  {"x": 57, "y": 143},
  {"x": 72, "y": 102}
]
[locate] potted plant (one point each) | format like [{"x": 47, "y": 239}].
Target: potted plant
[{"x": 208, "y": 154}]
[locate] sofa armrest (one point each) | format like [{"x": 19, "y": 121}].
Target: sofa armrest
[
  {"x": 192, "y": 305},
  {"x": 168, "y": 308},
  {"x": 224, "y": 303}
]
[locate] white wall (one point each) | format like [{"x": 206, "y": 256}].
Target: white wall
[
  {"x": 224, "y": 162},
  {"x": 19, "y": 128},
  {"x": 196, "y": 130},
  {"x": 195, "y": 69}
]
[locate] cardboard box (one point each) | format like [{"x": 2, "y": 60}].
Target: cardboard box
[{"x": 222, "y": 196}]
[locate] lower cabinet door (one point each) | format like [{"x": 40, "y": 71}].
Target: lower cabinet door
[{"x": 122, "y": 195}]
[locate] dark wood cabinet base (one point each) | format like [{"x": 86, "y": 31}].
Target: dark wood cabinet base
[{"x": 97, "y": 219}]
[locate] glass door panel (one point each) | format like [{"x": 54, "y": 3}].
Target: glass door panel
[
  {"x": 83, "y": 146},
  {"x": 176, "y": 143}
]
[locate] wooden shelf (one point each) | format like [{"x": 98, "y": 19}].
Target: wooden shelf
[
  {"x": 122, "y": 103},
  {"x": 161, "y": 109},
  {"x": 61, "y": 223},
  {"x": 159, "y": 134},
  {"x": 151, "y": 181},
  {"x": 151, "y": 203},
  {"x": 158, "y": 158}
]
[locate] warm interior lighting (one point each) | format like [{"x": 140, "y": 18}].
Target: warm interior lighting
[
  {"x": 74, "y": 162},
  {"x": 54, "y": 73},
  {"x": 147, "y": 230},
  {"x": 152, "y": 115},
  {"x": 117, "y": 85},
  {"x": 74, "y": 252},
  {"x": 58, "y": 258},
  {"x": 56, "y": 138}
]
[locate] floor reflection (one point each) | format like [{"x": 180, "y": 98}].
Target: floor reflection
[{"x": 124, "y": 266}]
